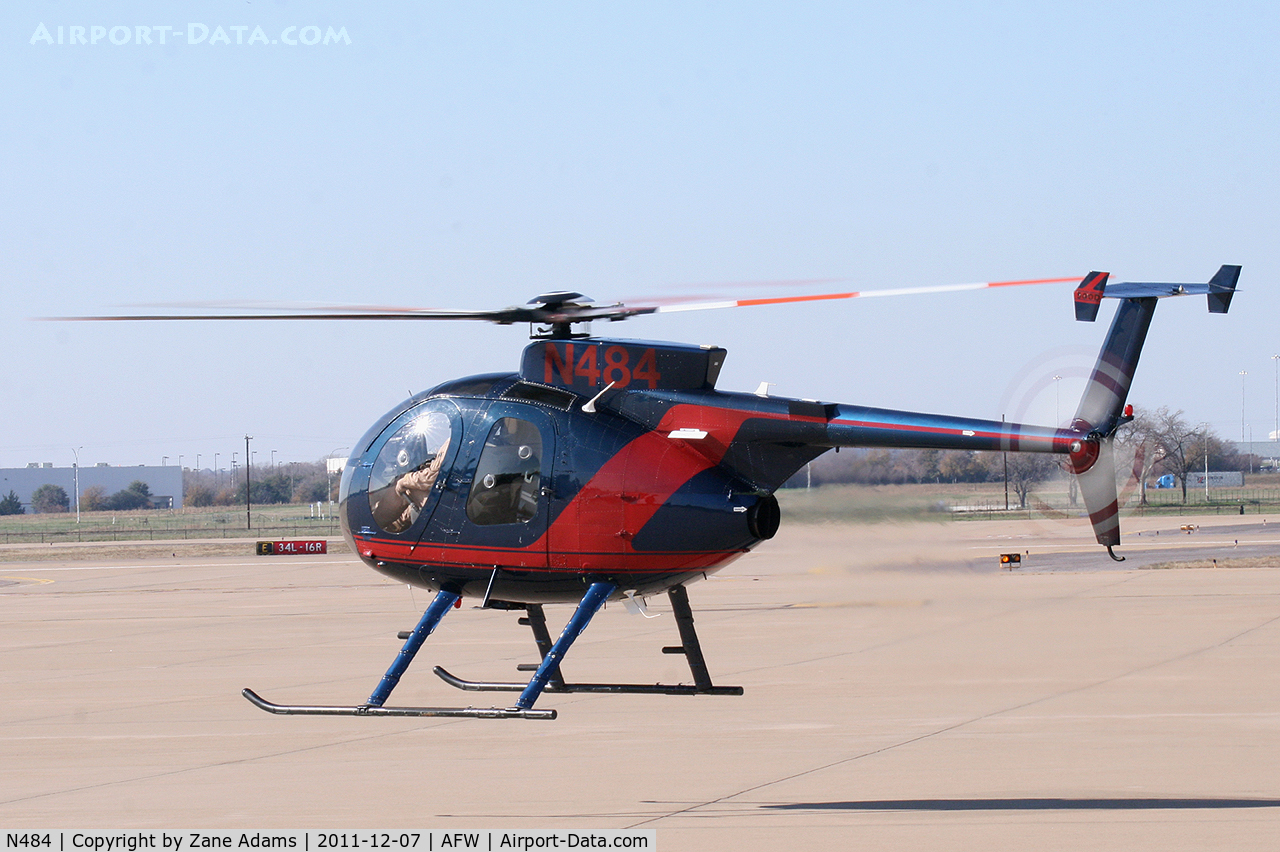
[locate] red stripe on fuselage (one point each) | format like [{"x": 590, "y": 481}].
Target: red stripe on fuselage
[
  {"x": 593, "y": 532},
  {"x": 597, "y": 526},
  {"x": 532, "y": 560}
]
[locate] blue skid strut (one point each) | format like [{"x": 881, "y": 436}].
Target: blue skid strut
[
  {"x": 587, "y": 607},
  {"x": 444, "y": 600},
  {"x": 373, "y": 707}
]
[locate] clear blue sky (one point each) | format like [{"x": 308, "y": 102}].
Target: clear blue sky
[{"x": 474, "y": 155}]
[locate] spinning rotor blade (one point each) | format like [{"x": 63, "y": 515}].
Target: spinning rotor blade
[
  {"x": 559, "y": 311},
  {"x": 345, "y": 313},
  {"x": 898, "y": 291}
]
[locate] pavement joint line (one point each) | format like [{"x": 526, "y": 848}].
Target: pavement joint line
[
  {"x": 953, "y": 727},
  {"x": 220, "y": 763}
]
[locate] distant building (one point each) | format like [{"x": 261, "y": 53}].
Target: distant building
[
  {"x": 164, "y": 482},
  {"x": 1268, "y": 451}
]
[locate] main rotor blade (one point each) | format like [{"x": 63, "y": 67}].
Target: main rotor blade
[
  {"x": 559, "y": 314},
  {"x": 504, "y": 317},
  {"x": 866, "y": 294}
]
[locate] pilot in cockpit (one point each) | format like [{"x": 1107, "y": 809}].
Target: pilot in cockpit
[{"x": 415, "y": 488}]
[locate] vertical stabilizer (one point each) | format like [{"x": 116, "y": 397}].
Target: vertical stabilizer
[
  {"x": 1222, "y": 287},
  {"x": 1104, "y": 397},
  {"x": 1101, "y": 411},
  {"x": 1089, "y": 296}
]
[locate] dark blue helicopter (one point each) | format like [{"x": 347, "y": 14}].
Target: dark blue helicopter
[{"x": 613, "y": 470}]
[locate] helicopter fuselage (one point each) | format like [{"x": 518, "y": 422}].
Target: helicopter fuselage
[{"x": 602, "y": 460}]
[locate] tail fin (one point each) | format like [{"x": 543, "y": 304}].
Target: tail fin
[
  {"x": 1102, "y": 409},
  {"x": 1222, "y": 287},
  {"x": 1104, "y": 397},
  {"x": 1089, "y": 296}
]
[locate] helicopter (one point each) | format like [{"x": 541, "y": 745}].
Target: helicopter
[{"x": 614, "y": 469}]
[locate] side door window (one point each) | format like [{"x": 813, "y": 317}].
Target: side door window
[{"x": 507, "y": 488}]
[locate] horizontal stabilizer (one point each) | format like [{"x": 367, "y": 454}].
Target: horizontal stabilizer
[{"x": 1219, "y": 289}]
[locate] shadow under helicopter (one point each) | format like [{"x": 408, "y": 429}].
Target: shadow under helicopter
[{"x": 1120, "y": 803}]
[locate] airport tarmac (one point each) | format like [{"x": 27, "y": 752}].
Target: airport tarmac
[{"x": 901, "y": 692}]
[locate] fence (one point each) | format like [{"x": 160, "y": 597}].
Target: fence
[
  {"x": 1221, "y": 501},
  {"x": 326, "y": 528}
]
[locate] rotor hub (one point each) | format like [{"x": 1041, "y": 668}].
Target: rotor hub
[{"x": 1083, "y": 455}]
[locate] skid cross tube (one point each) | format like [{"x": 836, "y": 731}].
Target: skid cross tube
[
  {"x": 590, "y": 604},
  {"x": 690, "y": 648},
  {"x": 444, "y": 600},
  {"x": 689, "y": 644},
  {"x": 537, "y": 621}
]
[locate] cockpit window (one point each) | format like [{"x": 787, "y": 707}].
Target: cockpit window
[
  {"x": 508, "y": 475},
  {"x": 407, "y": 469}
]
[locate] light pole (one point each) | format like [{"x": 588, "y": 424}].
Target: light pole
[
  {"x": 1206, "y": 464},
  {"x": 248, "y": 462},
  {"x": 75, "y": 451},
  {"x": 1057, "y": 416},
  {"x": 217, "y": 479},
  {"x": 1276, "y": 435},
  {"x": 273, "y": 459},
  {"x": 1243, "y": 373}
]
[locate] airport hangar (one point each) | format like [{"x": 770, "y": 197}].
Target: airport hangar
[{"x": 165, "y": 481}]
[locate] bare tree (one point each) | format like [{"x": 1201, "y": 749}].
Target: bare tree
[
  {"x": 1027, "y": 470},
  {"x": 1140, "y": 446},
  {"x": 1181, "y": 445}
]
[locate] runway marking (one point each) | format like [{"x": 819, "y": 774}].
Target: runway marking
[{"x": 27, "y": 580}]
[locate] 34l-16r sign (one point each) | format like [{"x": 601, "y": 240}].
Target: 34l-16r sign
[{"x": 291, "y": 548}]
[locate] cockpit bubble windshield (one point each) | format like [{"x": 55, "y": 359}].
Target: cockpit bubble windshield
[{"x": 406, "y": 470}]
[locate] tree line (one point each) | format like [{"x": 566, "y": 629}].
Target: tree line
[
  {"x": 51, "y": 499},
  {"x": 295, "y": 482}
]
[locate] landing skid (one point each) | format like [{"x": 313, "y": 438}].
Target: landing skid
[
  {"x": 691, "y": 648},
  {"x": 443, "y": 602},
  {"x": 370, "y": 710},
  {"x": 546, "y": 673},
  {"x": 636, "y": 688}
]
